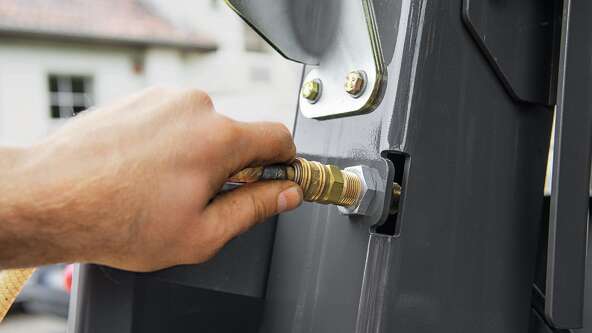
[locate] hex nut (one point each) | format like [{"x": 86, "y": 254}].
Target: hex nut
[
  {"x": 335, "y": 183},
  {"x": 311, "y": 90},
  {"x": 355, "y": 83},
  {"x": 369, "y": 191}
]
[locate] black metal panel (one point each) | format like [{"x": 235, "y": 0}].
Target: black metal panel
[
  {"x": 568, "y": 218},
  {"x": 540, "y": 324},
  {"x": 520, "y": 39},
  {"x": 464, "y": 259},
  {"x": 102, "y": 300},
  {"x": 240, "y": 268},
  {"x": 169, "y": 307},
  {"x": 587, "y": 319}
]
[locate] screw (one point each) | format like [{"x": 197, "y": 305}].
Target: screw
[
  {"x": 355, "y": 83},
  {"x": 311, "y": 90}
]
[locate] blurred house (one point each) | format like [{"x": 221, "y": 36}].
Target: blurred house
[{"x": 58, "y": 57}]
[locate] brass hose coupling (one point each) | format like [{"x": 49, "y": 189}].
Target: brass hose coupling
[
  {"x": 325, "y": 184},
  {"x": 352, "y": 189}
]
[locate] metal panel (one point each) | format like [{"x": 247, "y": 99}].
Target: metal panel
[
  {"x": 568, "y": 219},
  {"x": 587, "y": 319},
  {"x": 102, "y": 301},
  {"x": 337, "y": 36},
  {"x": 540, "y": 324},
  {"x": 520, "y": 40},
  {"x": 464, "y": 259}
]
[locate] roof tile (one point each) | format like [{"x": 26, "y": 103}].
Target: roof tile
[{"x": 126, "y": 21}]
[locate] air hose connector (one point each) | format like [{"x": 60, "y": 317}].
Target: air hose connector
[
  {"x": 353, "y": 188},
  {"x": 325, "y": 183}
]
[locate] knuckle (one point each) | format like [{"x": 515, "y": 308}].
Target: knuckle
[
  {"x": 284, "y": 131},
  {"x": 229, "y": 130},
  {"x": 285, "y": 140},
  {"x": 199, "y": 99}
]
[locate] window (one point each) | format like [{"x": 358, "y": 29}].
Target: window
[
  {"x": 69, "y": 95},
  {"x": 254, "y": 42}
]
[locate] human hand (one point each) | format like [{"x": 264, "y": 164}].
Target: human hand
[{"x": 133, "y": 185}]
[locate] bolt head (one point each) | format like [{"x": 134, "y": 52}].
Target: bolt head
[
  {"x": 355, "y": 83},
  {"x": 311, "y": 90}
]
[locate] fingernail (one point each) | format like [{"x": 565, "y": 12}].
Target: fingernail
[{"x": 289, "y": 199}]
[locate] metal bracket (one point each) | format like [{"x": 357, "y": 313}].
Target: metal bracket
[
  {"x": 339, "y": 37},
  {"x": 519, "y": 39}
]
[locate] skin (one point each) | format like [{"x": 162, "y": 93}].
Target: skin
[{"x": 134, "y": 185}]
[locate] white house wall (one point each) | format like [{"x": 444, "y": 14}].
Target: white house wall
[
  {"x": 24, "y": 92},
  {"x": 226, "y": 74}
]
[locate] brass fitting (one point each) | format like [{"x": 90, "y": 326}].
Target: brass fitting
[
  {"x": 353, "y": 189},
  {"x": 326, "y": 184}
]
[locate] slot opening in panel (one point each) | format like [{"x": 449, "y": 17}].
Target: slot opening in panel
[{"x": 391, "y": 226}]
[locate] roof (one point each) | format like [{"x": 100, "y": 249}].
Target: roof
[{"x": 128, "y": 22}]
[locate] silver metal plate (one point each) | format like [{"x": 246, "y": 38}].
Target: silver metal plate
[
  {"x": 335, "y": 37},
  {"x": 356, "y": 47}
]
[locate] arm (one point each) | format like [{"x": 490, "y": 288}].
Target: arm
[{"x": 131, "y": 185}]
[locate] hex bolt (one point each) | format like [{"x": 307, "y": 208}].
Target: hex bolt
[
  {"x": 355, "y": 83},
  {"x": 311, "y": 90}
]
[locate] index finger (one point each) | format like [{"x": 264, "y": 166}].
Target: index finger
[{"x": 262, "y": 143}]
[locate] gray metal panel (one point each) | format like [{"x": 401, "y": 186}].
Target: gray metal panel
[
  {"x": 587, "y": 311},
  {"x": 538, "y": 325},
  {"x": 568, "y": 217},
  {"x": 520, "y": 39},
  {"x": 170, "y": 307},
  {"x": 464, "y": 260},
  {"x": 239, "y": 268},
  {"x": 103, "y": 300}
]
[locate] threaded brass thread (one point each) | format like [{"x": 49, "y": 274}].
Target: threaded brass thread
[
  {"x": 351, "y": 189},
  {"x": 326, "y": 183}
]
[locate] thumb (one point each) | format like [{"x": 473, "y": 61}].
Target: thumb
[{"x": 237, "y": 211}]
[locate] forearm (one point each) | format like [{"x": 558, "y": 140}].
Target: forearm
[
  {"x": 134, "y": 185},
  {"x": 11, "y": 225},
  {"x": 23, "y": 237}
]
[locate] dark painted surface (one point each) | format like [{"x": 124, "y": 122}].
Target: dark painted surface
[
  {"x": 587, "y": 318},
  {"x": 102, "y": 301},
  {"x": 520, "y": 39},
  {"x": 240, "y": 268},
  {"x": 540, "y": 324},
  {"x": 570, "y": 186},
  {"x": 464, "y": 260},
  {"x": 169, "y": 307}
]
